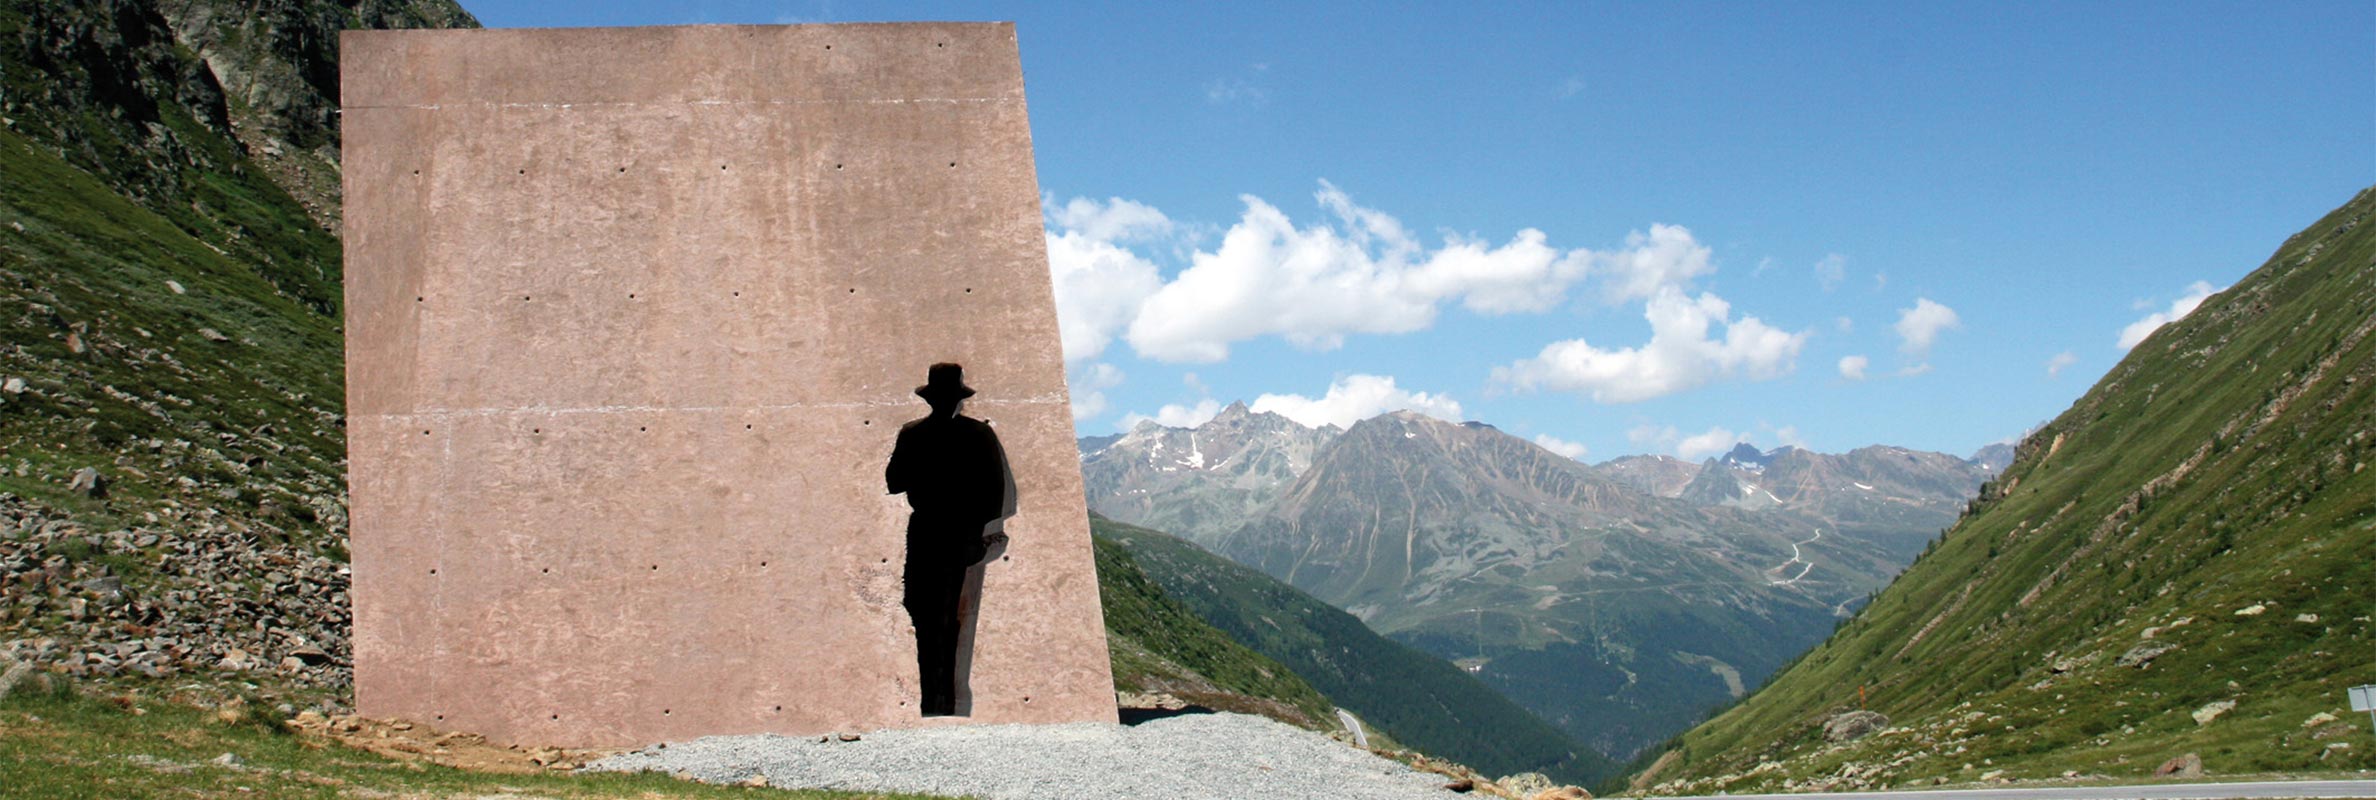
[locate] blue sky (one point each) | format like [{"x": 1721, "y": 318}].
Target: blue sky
[{"x": 1650, "y": 227}]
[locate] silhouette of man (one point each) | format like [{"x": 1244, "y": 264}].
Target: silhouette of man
[{"x": 955, "y": 477}]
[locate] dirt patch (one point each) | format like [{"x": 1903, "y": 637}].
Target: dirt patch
[{"x": 413, "y": 743}]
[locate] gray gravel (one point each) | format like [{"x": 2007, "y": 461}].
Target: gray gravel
[{"x": 1190, "y": 757}]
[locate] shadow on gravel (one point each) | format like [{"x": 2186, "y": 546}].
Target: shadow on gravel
[{"x": 1138, "y": 716}]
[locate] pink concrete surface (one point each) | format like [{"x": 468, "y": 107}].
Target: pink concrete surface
[{"x": 633, "y": 318}]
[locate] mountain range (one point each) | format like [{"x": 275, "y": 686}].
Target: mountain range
[{"x": 1621, "y": 601}]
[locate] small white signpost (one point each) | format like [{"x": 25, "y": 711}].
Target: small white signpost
[{"x": 2363, "y": 698}]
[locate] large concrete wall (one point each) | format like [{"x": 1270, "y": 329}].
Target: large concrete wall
[{"x": 633, "y": 317}]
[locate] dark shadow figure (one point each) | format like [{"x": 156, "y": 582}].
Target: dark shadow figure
[{"x": 956, "y": 479}]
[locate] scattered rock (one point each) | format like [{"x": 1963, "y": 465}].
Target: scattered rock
[
  {"x": 231, "y": 760},
  {"x": 1563, "y": 793},
  {"x": 2320, "y": 718},
  {"x": 2306, "y": 618},
  {"x": 212, "y": 335},
  {"x": 88, "y": 483},
  {"x": 12, "y": 673},
  {"x": 756, "y": 781},
  {"x": 1526, "y": 784},
  {"x": 1992, "y": 776},
  {"x": 1850, "y": 726},
  {"x": 2185, "y": 766},
  {"x": 1461, "y": 785},
  {"x": 309, "y": 655},
  {"x": 2253, "y": 610},
  {"x": 848, "y": 737},
  {"x": 74, "y": 343},
  {"x": 2211, "y": 711},
  {"x": 13, "y": 386},
  {"x": 176, "y": 287},
  {"x": 2144, "y": 653}
]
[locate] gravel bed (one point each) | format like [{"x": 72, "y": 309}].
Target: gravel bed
[{"x": 1191, "y": 757}]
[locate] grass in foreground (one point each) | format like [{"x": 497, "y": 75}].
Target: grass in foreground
[{"x": 62, "y": 744}]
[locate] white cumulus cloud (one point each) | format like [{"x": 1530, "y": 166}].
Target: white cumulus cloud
[
  {"x": 1853, "y": 367},
  {"x": 1315, "y": 285},
  {"x": 1682, "y": 354},
  {"x": 1574, "y": 450},
  {"x": 1708, "y": 443},
  {"x": 1176, "y": 415},
  {"x": 1353, "y": 398},
  {"x": 1666, "y": 257},
  {"x": 1919, "y": 327},
  {"x": 2136, "y": 331},
  {"x": 2061, "y": 361},
  {"x": 1099, "y": 283},
  {"x": 1088, "y": 385}
]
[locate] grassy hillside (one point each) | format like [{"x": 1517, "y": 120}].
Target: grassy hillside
[
  {"x": 1419, "y": 699},
  {"x": 2178, "y": 564},
  {"x": 1159, "y": 645}
]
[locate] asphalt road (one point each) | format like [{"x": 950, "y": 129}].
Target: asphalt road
[{"x": 2249, "y": 790}]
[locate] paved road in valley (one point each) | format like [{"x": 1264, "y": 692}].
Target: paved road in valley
[{"x": 2252, "y": 790}]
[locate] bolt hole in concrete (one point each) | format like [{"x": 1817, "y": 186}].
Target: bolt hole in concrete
[
  {"x": 523, "y": 172},
  {"x": 535, "y": 430},
  {"x": 419, "y": 299},
  {"x": 640, "y": 429},
  {"x": 630, "y": 295},
  {"x": 746, "y": 427},
  {"x": 961, "y": 490},
  {"x": 779, "y": 709},
  {"x": 433, "y": 571},
  {"x": 416, "y": 172},
  {"x": 547, "y": 571}
]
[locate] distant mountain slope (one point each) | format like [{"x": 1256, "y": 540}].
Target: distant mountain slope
[
  {"x": 1198, "y": 482},
  {"x": 1575, "y": 590},
  {"x": 1159, "y": 645},
  {"x": 2180, "y": 563},
  {"x": 1417, "y": 698}
]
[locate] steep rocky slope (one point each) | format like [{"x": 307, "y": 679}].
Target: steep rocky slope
[
  {"x": 2178, "y": 564},
  {"x": 171, "y": 495}
]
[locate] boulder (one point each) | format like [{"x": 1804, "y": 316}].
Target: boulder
[
  {"x": 88, "y": 482},
  {"x": 2211, "y": 711},
  {"x": 2145, "y": 652},
  {"x": 2185, "y": 766},
  {"x": 1562, "y": 793},
  {"x": 1850, "y": 726}
]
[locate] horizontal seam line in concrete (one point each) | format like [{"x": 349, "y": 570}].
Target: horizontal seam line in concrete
[
  {"x": 497, "y": 412},
  {"x": 605, "y": 103}
]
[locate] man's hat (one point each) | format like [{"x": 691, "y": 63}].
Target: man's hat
[{"x": 945, "y": 380}]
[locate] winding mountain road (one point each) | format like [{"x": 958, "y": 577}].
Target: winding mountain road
[{"x": 2247, "y": 790}]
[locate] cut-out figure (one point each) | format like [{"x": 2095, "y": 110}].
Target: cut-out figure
[{"x": 955, "y": 477}]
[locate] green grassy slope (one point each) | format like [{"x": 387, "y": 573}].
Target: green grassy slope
[
  {"x": 1417, "y": 698},
  {"x": 1159, "y": 645},
  {"x": 2211, "y": 494}
]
